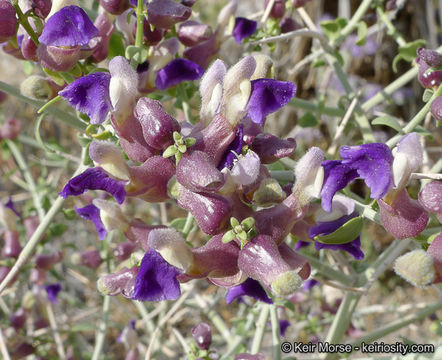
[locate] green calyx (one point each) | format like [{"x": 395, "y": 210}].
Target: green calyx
[
  {"x": 179, "y": 147},
  {"x": 243, "y": 231}
]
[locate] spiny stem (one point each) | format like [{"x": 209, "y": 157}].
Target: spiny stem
[
  {"x": 35, "y": 238},
  {"x": 276, "y": 337},
  {"x": 260, "y": 329},
  {"x": 140, "y": 24},
  {"x": 28, "y": 177}
]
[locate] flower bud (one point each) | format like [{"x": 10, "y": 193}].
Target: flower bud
[
  {"x": 4, "y": 270},
  {"x": 211, "y": 211},
  {"x": 191, "y": 33},
  {"x": 430, "y": 197},
  {"x": 431, "y": 57},
  {"x": 91, "y": 258},
  {"x": 124, "y": 250},
  {"x": 105, "y": 30},
  {"x": 271, "y": 148},
  {"x": 202, "y": 334},
  {"x": 226, "y": 13},
  {"x": 121, "y": 282},
  {"x": 47, "y": 261},
  {"x": 37, "y": 276},
  {"x": 115, "y": 7},
  {"x": 37, "y": 87},
  {"x": 166, "y": 13},
  {"x": 417, "y": 267},
  {"x": 158, "y": 126},
  {"x": 288, "y": 24},
  {"x": 18, "y": 318},
  {"x": 11, "y": 247},
  {"x": 278, "y": 8},
  {"x": 215, "y": 259},
  {"x": 42, "y": 8},
  {"x": 197, "y": 173},
  {"x": 28, "y": 48},
  {"x": 22, "y": 350},
  {"x": 150, "y": 37},
  {"x": 8, "y": 21},
  {"x": 309, "y": 175},
  {"x": 31, "y": 223},
  {"x": 435, "y": 251},
  {"x": 10, "y": 128}
]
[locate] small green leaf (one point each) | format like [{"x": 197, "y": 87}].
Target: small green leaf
[
  {"x": 248, "y": 223},
  {"x": 182, "y": 149},
  {"x": 346, "y": 233},
  {"x": 178, "y": 223},
  {"x": 389, "y": 121},
  {"x": 139, "y": 54},
  {"x": 422, "y": 131},
  {"x": 308, "y": 120},
  {"x": 54, "y": 76},
  {"x": 170, "y": 151},
  {"x": 362, "y": 33},
  {"x": 190, "y": 141},
  {"x": 234, "y": 222},
  {"x": 228, "y": 237},
  {"x": 332, "y": 28},
  {"x": 428, "y": 93},
  {"x": 57, "y": 229},
  {"x": 407, "y": 52}
]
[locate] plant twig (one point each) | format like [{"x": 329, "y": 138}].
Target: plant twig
[
  {"x": 276, "y": 332},
  {"x": 3, "y": 348},
  {"x": 55, "y": 332},
  {"x": 260, "y": 328}
]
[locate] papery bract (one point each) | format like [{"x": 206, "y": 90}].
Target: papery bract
[
  {"x": 166, "y": 13},
  {"x": 430, "y": 197},
  {"x": 403, "y": 217},
  {"x": 271, "y": 148},
  {"x": 197, "y": 172}
]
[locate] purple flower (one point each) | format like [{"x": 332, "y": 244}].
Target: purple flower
[
  {"x": 92, "y": 213},
  {"x": 250, "y": 288},
  {"x": 156, "y": 279},
  {"x": 52, "y": 291},
  {"x": 300, "y": 244},
  {"x": 90, "y": 95},
  {"x": 283, "y": 326},
  {"x": 68, "y": 27},
  {"x": 10, "y": 205},
  {"x": 268, "y": 96},
  {"x": 373, "y": 164},
  {"x": 176, "y": 71},
  {"x": 94, "y": 179},
  {"x": 336, "y": 177},
  {"x": 233, "y": 149},
  {"x": 243, "y": 28},
  {"x": 325, "y": 228},
  {"x": 310, "y": 283},
  {"x": 271, "y": 148}
]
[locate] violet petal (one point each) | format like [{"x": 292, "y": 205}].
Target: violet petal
[
  {"x": 94, "y": 179},
  {"x": 373, "y": 163},
  {"x": 156, "y": 279},
  {"x": 92, "y": 213},
  {"x": 176, "y": 71},
  {"x": 52, "y": 291},
  {"x": 268, "y": 96},
  {"x": 10, "y": 205},
  {"x": 336, "y": 177},
  {"x": 233, "y": 149},
  {"x": 243, "y": 28},
  {"x": 251, "y": 288},
  {"x": 68, "y": 27},
  {"x": 90, "y": 95}
]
